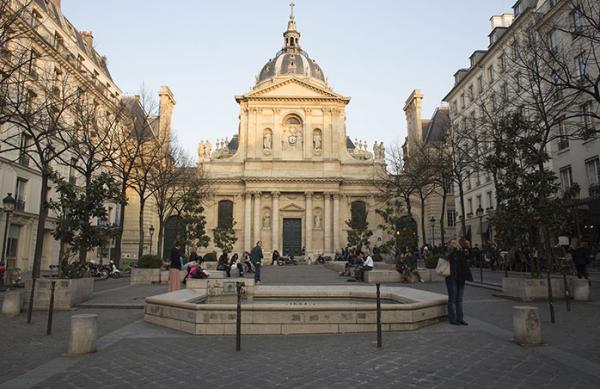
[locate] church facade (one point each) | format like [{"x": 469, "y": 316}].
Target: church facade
[{"x": 291, "y": 176}]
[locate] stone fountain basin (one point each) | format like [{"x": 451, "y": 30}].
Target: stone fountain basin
[{"x": 190, "y": 310}]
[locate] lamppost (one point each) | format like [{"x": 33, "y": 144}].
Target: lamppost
[
  {"x": 479, "y": 214},
  {"x": 432, "y": 221},
  {"x": 151, "y": 229},
  {"x": 9, "y": 203}
]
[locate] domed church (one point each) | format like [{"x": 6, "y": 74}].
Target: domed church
[{"x": 291, "y": 177}]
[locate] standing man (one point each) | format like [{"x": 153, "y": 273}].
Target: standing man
[{"x": 256, "y": 256}]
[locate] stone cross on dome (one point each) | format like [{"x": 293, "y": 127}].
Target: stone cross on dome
[{"x": 292, "y": 5}]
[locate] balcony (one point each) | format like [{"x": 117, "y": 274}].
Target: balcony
[
  {"x": 24, "y": 160},
  {"x": 20, "y": 206}
]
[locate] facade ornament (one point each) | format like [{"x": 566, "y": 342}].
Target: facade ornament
[
  {"x": 317, "y": 141},
  {"x": 317, "y": 220},
  {"x": 267, "y": 140},
  {"x": 267, "y": 221},
  {"x": 275, "y": 195}
]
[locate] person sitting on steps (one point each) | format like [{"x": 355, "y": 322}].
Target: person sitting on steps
[
  {"x": 223, "y": 264},
  {"x": 236, "y": 264}
]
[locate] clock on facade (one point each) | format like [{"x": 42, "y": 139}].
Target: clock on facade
[{"x": 293, "y": 139}]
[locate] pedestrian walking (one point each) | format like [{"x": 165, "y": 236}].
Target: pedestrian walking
[
  {"x": 175, "y": 268},
  {"x": 256, "y": 256},
  {"x": 455, "y": 282},
  {"x": 581, "y": 258}
]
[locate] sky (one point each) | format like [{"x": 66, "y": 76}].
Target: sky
[{"x": 207, "y": 52}]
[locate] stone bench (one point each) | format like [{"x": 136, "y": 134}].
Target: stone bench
[{"x": 430, "y": 275}]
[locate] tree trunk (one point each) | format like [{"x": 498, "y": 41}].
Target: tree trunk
[
  {"x": 41, "y": 226},
  {"x": 161, "y": 233},
  {"x": 442, "y": 218},
  {"x": 117, "y": 252},
  {"x": 141, "y": 226},
  {"x": 423, "y": 226},
  {"x": 461, "y": 193}
]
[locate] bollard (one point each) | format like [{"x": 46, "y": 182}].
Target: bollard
[
  {"x": 51, "y": 309},
  {"x": 11, "y": 306},
  {"x": 239, "y": 286},
  {"x": 83, "y": 334},
  {"x": 378, "y": 316},
  {"x": 581, "y": 289},
  {"x": 527, "y": 329},
  {"x": 550, "y": 298},
  {"x": 567, "y": 292}
]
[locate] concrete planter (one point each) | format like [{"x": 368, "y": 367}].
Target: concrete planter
[
  {"x": 67, "y": 293},
  {"x": 528, "y": 289},
  {"x": 144, "y": 276},
  {"x": 164, "y": 276}
]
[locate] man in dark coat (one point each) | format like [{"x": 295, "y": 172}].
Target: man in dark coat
[
  {"x": 460, "y": 273},
  {"x": 581, "y": 257},
  {"x": 256, "y": 256}
]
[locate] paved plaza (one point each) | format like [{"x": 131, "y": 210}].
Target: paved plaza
[{"x": 132, "y": 353}]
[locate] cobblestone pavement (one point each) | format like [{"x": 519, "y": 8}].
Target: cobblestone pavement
[{"x": 135, "y": 354}]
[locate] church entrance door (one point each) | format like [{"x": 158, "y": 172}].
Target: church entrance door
[{"x": 292, "y": 237}]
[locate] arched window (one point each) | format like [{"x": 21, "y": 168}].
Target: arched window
[
  {"x": 293, "y": 121},
  {"x": 358, "y": 211},
  {"x": 225, "y": 214}
]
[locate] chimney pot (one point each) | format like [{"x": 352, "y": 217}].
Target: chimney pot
[{"x": 88, "y": 38}]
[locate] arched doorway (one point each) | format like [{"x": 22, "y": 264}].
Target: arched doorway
[{"x": 173, "y": 227}]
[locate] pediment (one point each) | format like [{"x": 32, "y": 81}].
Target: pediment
[
  {"x": 293, "y": 88},
  {"x": 292, "y": 207}
]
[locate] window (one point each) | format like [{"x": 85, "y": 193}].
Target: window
[
  {"x": 490, "y": 200},
  {"x": 558, "y": 94},
  {"x": 24, "y": 145},
  {"x": 505, "y": 91},
  {"x": 592, "y": 169},
  {"x": 451, "y": 216},
  {"x": 582, "y": 66},
  {"x": 563, "y": 139},
  {"x": 293, "y": 121},
  {"x": 566, "y": 178},
  {"x": 471, "y": 94},
  {"x": 578, "y": 21},
  {"x": 20, "y": 194},
  {"x": 462, "y": 101},
  {"x": 225, "y": 214},
  {"x": 480, "y": 83},
  {"x": 587, "y": 118},
  {"x": 470, "y": 206},
  {"x": 518, "y": 82},
  {"x": 502, "y": 61},
  {"x": 358, "y": 211},
  {"x": 468, "y": 180},
  {"x": 553, "y": 40},
  {"x": 479, "y": 203},
  {"x": 12, "y": 242},
  {"x": 35, "y": 18},
  {"x": 490, "y": 71}
]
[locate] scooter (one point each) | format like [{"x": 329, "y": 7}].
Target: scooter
[{"x": 113, "y": 270}]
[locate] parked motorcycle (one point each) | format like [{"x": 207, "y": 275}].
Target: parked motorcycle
[
  {"x": 113, "y": 270},
  {"x": 98, "y": 271}
]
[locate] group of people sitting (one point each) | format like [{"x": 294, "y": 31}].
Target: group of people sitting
[
  {"x": 357, "y": 264},
  {"x": 244, "y": 265}
]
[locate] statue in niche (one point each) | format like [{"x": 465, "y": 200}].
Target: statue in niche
[
  {"x": 317, "y": 223},
  {"x": 267, "y": 141},
  {"x": 317, "y": 141},
  {"x": 267, "y": 221}
]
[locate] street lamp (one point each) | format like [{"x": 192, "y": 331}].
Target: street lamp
[
  {"x": 479, "y": 214},
  {"x": 151, "y": 229},
  {"x": 9, "y": 203},
  {"x": 432, "y": 221}
]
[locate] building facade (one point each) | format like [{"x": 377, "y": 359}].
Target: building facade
[
  {"x": 291, "y": 175},
  {"x": 491, "y": 80}
]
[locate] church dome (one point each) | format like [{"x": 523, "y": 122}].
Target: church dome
[{"x": 291, "y": 60}]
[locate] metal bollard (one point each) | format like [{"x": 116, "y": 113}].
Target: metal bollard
[
  {"x": 550, "y": 299},
  {"x": 567, "y": 292},
  {"x": 238, "y": 322},
  {"x": 51, "y": 309},
  {"x": 378, "y": 316}
]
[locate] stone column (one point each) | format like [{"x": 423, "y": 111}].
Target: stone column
[
  {"x": 327, "y": 224},
  {"x": 248, "y": 222},
  {"x": 336, "y": 222},
  {"x": 257, "y": 217},
  {"x": 308, "y": 223},
  {"x": 275, "y": 222}
]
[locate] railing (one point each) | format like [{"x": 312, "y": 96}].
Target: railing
[{"x": 20, "y": 205}]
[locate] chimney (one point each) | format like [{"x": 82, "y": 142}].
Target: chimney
[
  {"x": 56, "y": 4},
  {"x": 166, "y": 104},
  {"x": 88, "y": 38}
]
